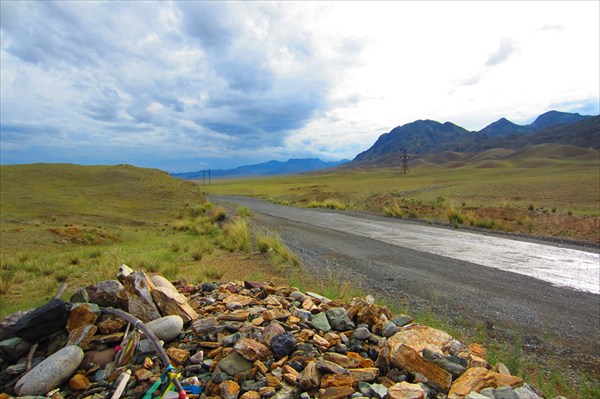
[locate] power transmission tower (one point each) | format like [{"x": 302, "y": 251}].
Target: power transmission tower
[{"x": 404, "y": 157}]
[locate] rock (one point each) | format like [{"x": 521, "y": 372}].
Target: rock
[
  {"x": 107, "y": 293},
  {"x": 283, "y": 344},
  {"x": 405, "y": 357},
  {"x": 250, "y": 395},
  {"x": 338, "y": 380},
  {"x": 229, "y": 389},
  {"x": 50, "y": 373},
  {"x": 477, "y": 378},
  {"x": 111, "y": 325},
  {"x": 453, "y": 368},
  {"x": 82, "y": 336},
  {"x": 124, "y": 272},
  {"x": 336, "y": 393},
  {"x": 475, "y": 395},
  {"x": 402, "y": 320},
  {"x": 378, "y": 391},
  {"x": 526, "y": 392},
  {"x": 266, "y": 392},
  {"x": 231, "y": 340},
  {"x": 251, "y": 350},
  {"x": 241, "y": 299},
  {"x": 178, "y": 356},
  {"x": 405, "y": 390},
  {"x": 505, "y": 392},
  {"x": 309, "y": 378},
  {"x": 234, "y": 364},
  {"x": 79, "y": 382},
  {"x": 477, "y": 350},
  {"x": 298, "y": 296},
  {"x": 320, "y": 322},
  {"x": 286, "y": 392},
  {"x": 361, "y": 333},
  {"x": 138, "y": 288},
  {"x": 42, "y": 321},
  {"x": 161, "y": 282},
  {"x": 338, "y": 319},
  {"x": 488, "y": 392},
  {"x": 389, "y": 329},
  {"x": 208, "y": 325},
  {"x": 166, "y": 328},
  {"x": 342, "y": 360},
  {"x": 143, "y": 375},
  {"x": 173, "y": 303},
  {"x": 365, "y": 374},
  {"x": 197, "y": 358},
  {"x": 12, "y": 349},
  {"x": 419, "y": 337},
  {"x": 100, "y": 358},
  {"x": 82, "y": 314},
  {"x": 502, "y": 369},
  {"x": 331, "y": 367},
  {"x": 273, "y": 329}
]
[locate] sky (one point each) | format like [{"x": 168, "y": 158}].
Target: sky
[{"x": 184, "y": 86}]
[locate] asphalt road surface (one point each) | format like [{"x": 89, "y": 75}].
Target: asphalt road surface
[{"x": 541, "y": 290}]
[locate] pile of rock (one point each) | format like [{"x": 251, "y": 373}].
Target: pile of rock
[{"x": 238, "y": 340}]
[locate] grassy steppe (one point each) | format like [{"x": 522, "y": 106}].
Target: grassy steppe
[
  {"x": 76, "y": 224},
  {"x": 528, "y": 194}
]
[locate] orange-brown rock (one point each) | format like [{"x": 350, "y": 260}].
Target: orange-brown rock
[
  {"x": 477, "y": 350},
  {"x": 338, "y": 380},
  {"x": 342, "y": 360},
  {"x": 251, "y": 349},
  {"x": 290, "y": 370},
  {"x": 266, "y": 392},
  {"x": 321, "y": 342},
  {"x": 143, "y": 374},
  {"x": 79, "y": 382},
  {"x": 291, "y": 379},
  {"x": 111, "y": 325},
  {"x": 407, "y": 358},
  {"x": 309, "y": 378},
  {"x": 229, "y": 389},
  {"x": 273, "y": 381},
  {"x": 261, "y": 367},
  {"x": 477, "y": 378},
  {"x": 178, "y": 356},
  {"x": 363, "y": 362},
  {"x": 336, "y": 392},
  {"x": 275, "y": 314},
  {"x": 405, "y": 390},
  {"x": 475, "y": 361},
  {"x": 241, "y": 299},
  {"x": 365, "y": 374},
  {"x": 250, "y": 395},
  {"x": 237, "y": 315},
  {"x": 82, "y": 336},
  {"x": 140, "y": 304},
  {"x": 81, "y": 315}
]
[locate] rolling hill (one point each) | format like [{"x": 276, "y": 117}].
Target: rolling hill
[{"x": 270, "y": 168}]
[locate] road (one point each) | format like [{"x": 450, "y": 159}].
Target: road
[{"x": 538, "y": 289}]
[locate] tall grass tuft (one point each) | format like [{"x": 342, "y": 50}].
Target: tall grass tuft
[
  {"x": 328, "y": 203},
  {"x": 235, "y": 236},
  {"x": 244, "y": 211},
  {"x": 280, "y": 253}
]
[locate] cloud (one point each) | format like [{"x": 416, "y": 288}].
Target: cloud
[
  {"x": 556, "y": 27},
  {"x": 506, "y": 49}
]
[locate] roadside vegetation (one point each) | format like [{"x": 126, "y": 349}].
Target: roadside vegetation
[{"x": 556, "y": 198}]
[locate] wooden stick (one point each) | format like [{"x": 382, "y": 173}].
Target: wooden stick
[
  {"x": 30, "y": 358},
  {"x": 122, "y": 384},
  {"x": 61, "y": 291}
]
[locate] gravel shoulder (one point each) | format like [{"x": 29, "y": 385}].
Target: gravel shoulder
[{"x": 553, "y": 322}]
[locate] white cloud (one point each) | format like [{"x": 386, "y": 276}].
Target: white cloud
[{"x": 205, "y": 83}]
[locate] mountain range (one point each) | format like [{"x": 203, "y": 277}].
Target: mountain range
[
  {"x": 430, "y": 137},
  {"x": 270, "y": 168}
]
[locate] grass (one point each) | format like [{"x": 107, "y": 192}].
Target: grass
[
  {"x": 236, "y": 236},
  {"x": 280, "y": 254},
  {"x": 509, "y": 198}
]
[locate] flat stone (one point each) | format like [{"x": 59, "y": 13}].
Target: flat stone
[
  {"x": 250, "y": 395},
  {"x": 267, "y": 392},
  {"x": 478, "y": 378},
  {"x": 505, "y": 392},
  {"x": 338, "y": 380},
  {"x": 252, "y": 350},
  {"x": 50, "y": 373},
  {"x": 274, "y": 328},
  {"x": 207, "y": 325},
  {"x": 379, "y": 391},
  {"x": 475, "y": 395},
  {"x": 111, "y": 325},
  {"x": 161, "y": 282},
  {"x": 402, "y": 320},
  {"x": 453, "y": 368},
  {"x": 173, "y": 303},
  {"x": 82, "y": 336},
  {"x": 320, "y": 322},
  {"x": 405, "y": 390},
  {"x": 178, "y": 356},
  {"x": 365, "y": 374},
  {"x": 100, "y": 358},
  {"x": 419, "y": 337},
  {"x": 107, "y": 293},
  {"x": 231, "y": 340},
  {"x": 234, "y": 364},
  {"x": 342, "y": 360},
  {"x": 43, "y": 321},
  {"x": 338, "y": 319},
  {"x": 166, "y": 328}
]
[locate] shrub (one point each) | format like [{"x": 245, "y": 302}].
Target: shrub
[
  {"x": 217, "y": 214},
  {"x": 212, "y": 273},
  {"x": 244, "y": 211},
  {"x": 393, "y": 210},
  {"x": 170, "y": 272},
  {"x": 455, "y": 217},
  {"x": 280, "y": 253}
]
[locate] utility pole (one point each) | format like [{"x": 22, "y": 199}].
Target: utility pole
[
  {"x": 209, "y": 177},
  {"x": 404, "y": 158},
  {"x": 203, "y": 176}
]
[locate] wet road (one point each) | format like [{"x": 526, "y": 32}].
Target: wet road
[{"x": 525, "y": 286}]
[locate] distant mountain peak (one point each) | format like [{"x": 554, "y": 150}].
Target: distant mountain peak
[{"x": 553, "y": 117}]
